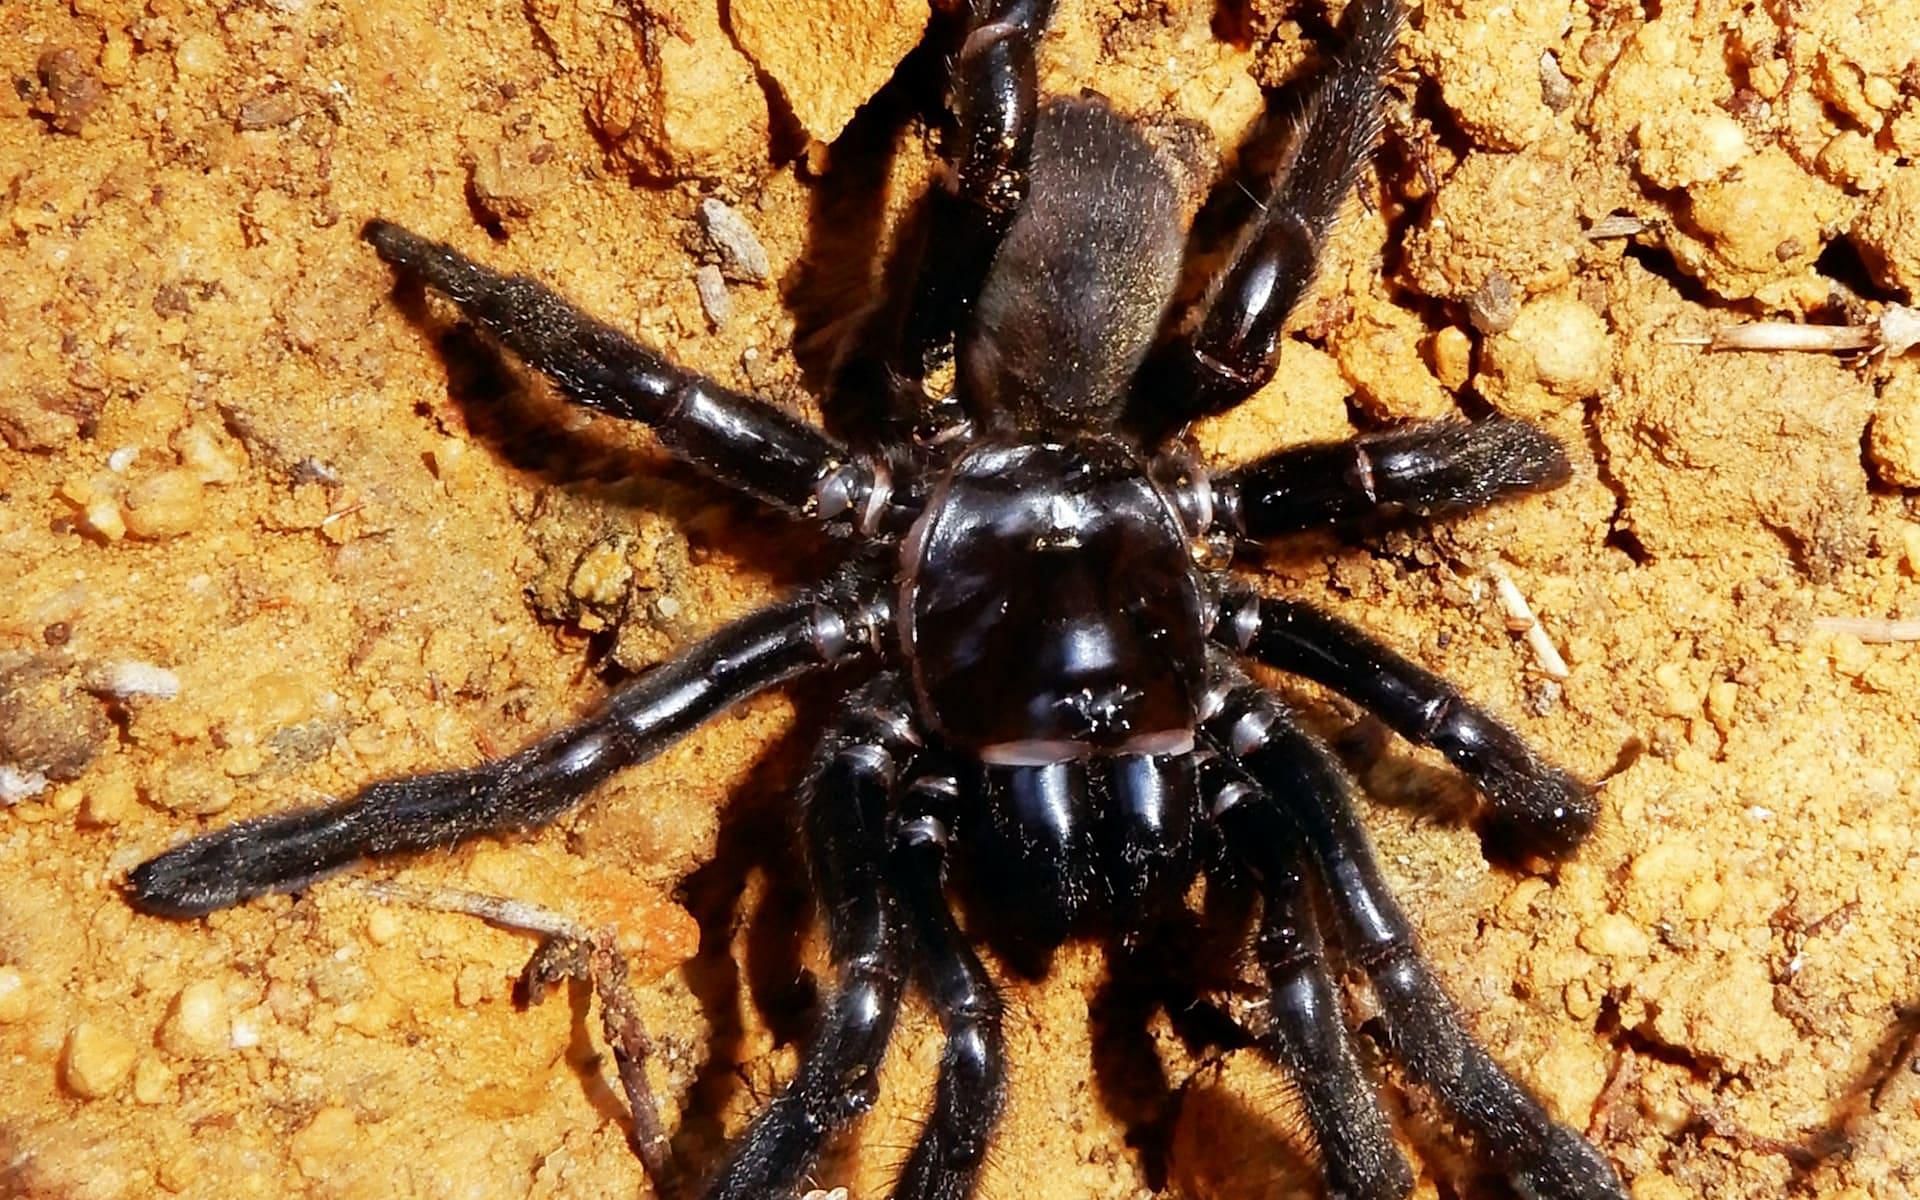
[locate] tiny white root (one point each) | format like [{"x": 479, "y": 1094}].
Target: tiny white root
[
  {"x": 512, "y": 914},
  {"x": 1520, "y": 619}
]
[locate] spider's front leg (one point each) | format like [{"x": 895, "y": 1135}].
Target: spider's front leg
[
  {"x": 1534, "y": 804},
  {"x": 741, "y": 441},
  {"x": 1443, "y": 467},
  {"x": 1226, "y": 347},
  {"x": 286, "y": 851},
  {"x": 993, "y": 90},
  {"x": 1312, "y": 807}
]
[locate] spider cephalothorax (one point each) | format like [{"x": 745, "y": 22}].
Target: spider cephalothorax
[{"x": 1044, "y": 676}]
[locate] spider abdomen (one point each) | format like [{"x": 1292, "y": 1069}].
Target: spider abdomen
[{"x": 1052, "y": 609}]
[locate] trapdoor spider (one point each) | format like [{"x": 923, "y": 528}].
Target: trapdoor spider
[{"x": 1043, "y": 682}]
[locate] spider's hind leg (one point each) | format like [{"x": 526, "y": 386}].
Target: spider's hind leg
[
  {"x": 743, "y": 442},
  {"x": 1541, "y": 1157},
  {"x": 1226, "y": 347}
]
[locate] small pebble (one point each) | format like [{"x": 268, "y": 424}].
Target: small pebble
[
  {"x": 1893, "y": 439},
  {"x": 108, "y": 802},
  {"x": 165, "y": 505},
  {"x": 97, "y": 1060},
  {"x": 382, "y": 926},
  {"x": 1494, "y": 305},
  {"x": 17, "y": 785},
  {"x": 474, "y": 985},
  {"x": 152, "y": 1081},
  {"x": 13, "y": 996},
  {"x": 742, "y": 256},
  {"x": 602, "y": 574},
  {"x": 1723, "y": 698},
  {"x": 714, "y": 300},
  {"x": 197, "y": 1026},
  {"x": 198, "y": 54},
  {"x": 103, "y": 516},
  {"x": 206, "y": 453},
  {"x": 267, "y": 111},
  {"x": 127, "y": 680},
  {"x": 1452, "y": 352},
  {"x": 1614, "y": 936},
  {"x": 325, "y": 1141},
  {"x": 73, "y": 88}
]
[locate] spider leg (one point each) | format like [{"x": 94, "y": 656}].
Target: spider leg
[
  {"x": 1313, "y": 808},
  {"x": 1447, "y": 466},
  {"x": 286, "y": 851},
  {"x": 993, "y": 91},
  {"x": 743, "y": 442},
  {"x": 1532, "y": 802},
  {"x": 971, "y": 1089},
  {"x": 845, "y": 823},
  {"x": 1227, "y": 346},
  {"x": 1309, "y": 1036}
]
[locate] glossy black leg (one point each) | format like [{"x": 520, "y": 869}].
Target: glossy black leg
[
  {"x": 741, "y": 441},
  {"x": 1313, "y": 809},
  {"x": 971, "y": 1090},
  {"x": 1152, "y": 800},
  {"x": 993, "y": 93},
  {"x": 1445, "y": 467},
  {"x": 1308, "y": 1034},
  {"x": 1533, "y": 804},
  {"x": 845, "y": 822},
  {"x": 1227, "y": 346},
  {"x": 286, "y": 851}
]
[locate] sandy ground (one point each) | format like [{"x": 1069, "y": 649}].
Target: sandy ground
[{"x": 268, "y": 532}]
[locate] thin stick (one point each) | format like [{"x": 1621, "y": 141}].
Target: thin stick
[
  {"x": 1520, "y": 619},
  {"x": 1870, "y": 629},
  {"x": 1895, "y": 333},
  {"x": 569, "y": 950}
]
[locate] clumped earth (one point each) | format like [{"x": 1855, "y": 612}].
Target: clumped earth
[{"x": 269, "y": 530}]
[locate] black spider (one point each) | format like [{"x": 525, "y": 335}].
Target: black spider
[{"x": 1050, "y": 682}]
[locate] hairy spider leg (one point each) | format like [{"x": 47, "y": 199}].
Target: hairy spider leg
[
  {"x": 992, "y": 91},
  {"x": 1541, "y": 1157},
  {"x": 1530, "y": 801},
  {"x": 745, "y": 443},
  {"x": 844, "y": 818},
  {"x": 1443, "y": 467},
  {"x": 1225, "y": 348},
  {"x": 1308, "y": 1035},
  {"x": 284, "y": 852},
  {"x": 971, "y": 1089}
]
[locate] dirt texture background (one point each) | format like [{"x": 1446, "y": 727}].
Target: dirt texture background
[{"x": 269, "y": 531}]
